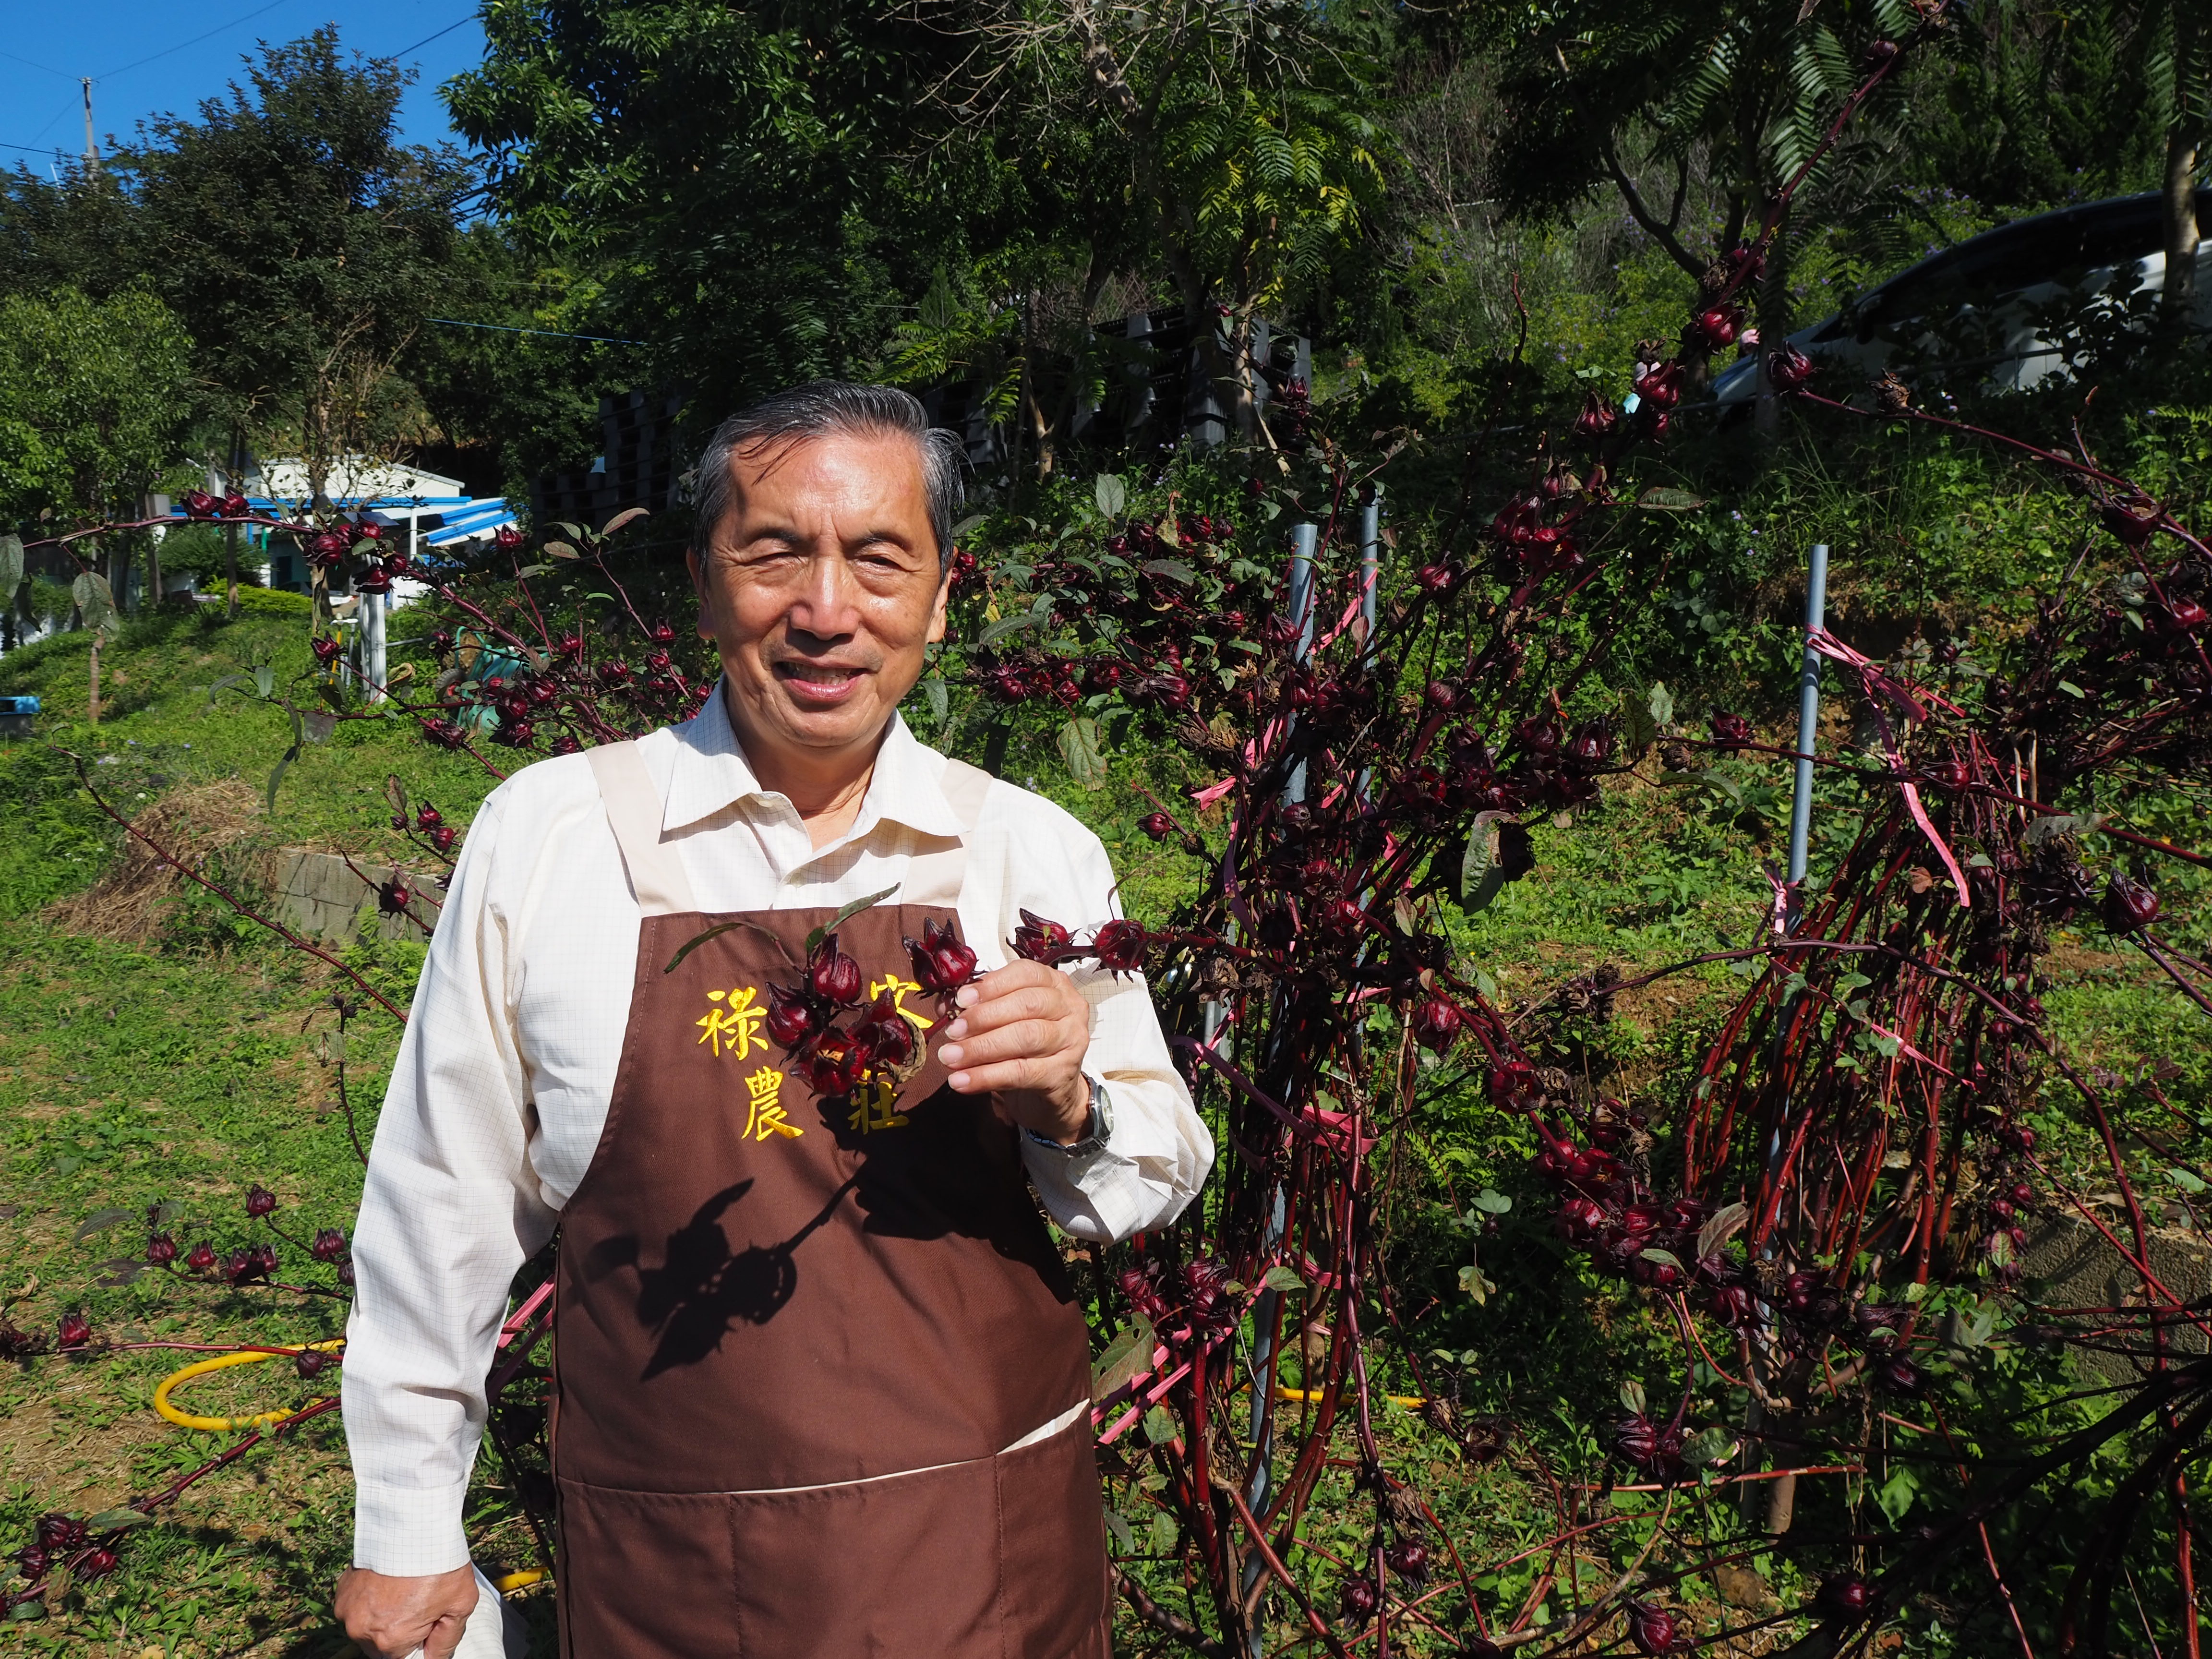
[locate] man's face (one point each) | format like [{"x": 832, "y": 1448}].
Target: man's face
[{"x": 821, "y": 587}]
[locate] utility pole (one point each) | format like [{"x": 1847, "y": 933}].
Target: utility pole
[{"x": 91, "y": 147}]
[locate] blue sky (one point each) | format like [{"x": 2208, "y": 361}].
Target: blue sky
[{"x": 151, "y": 56}]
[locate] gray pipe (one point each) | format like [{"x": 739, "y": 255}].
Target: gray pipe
[{"x": 1808, "y": 713}]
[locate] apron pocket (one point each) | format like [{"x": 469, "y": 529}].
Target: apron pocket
[
  {"x": 1051, "y": 1549},
  {"x": 888, "y": 1569},
  {"x": 645, "y": 1575}
]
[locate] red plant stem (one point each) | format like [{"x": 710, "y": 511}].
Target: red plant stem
[{"x": 84, "y": 776}]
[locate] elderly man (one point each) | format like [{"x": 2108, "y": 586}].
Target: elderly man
[{"x": 821, "y": 1385}]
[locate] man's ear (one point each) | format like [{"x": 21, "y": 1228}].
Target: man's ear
[
  {"x": 944, "y": 593},
  {"x": 699, "y": 586}
]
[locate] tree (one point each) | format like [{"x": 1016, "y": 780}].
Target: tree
[
  {"x": 94, "y": 401},
  {"x": 302, "y": 245},
  {"x": 728, "y": 173}
]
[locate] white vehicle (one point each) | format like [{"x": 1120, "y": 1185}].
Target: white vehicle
[{"x": 2009, "y": 308}]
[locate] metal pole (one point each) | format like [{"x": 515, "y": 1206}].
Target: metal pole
[
  {"x": 91, "y": 147},
  {"x": 1267, "y": 1309},
  {"x": 1370, "y": 561},
  {"x": 1809, "y": 714}
]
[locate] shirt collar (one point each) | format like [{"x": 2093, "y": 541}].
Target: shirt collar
[{"x": 712, "y": 773}]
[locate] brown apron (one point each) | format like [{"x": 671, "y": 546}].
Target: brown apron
[{"x": 796, "y": 1336}]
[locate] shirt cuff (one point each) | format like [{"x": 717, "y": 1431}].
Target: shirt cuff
[{"x": 409, "y": 1532}]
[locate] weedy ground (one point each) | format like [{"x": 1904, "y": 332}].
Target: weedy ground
[{"x": 157, "y": 1051}]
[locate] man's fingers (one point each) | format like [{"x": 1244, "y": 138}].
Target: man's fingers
[
  {"x": 1004, "y": 1078},
  {"x": 1037, "y": 1039},
  {"x": 1027, "y": 1004},
  {"x": 444, "y": 1637}
]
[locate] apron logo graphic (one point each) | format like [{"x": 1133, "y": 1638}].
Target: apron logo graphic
[
  {"x": 764, "y": 1113},
  {"x": 738, "y": 1024},
  {"x": 872, "y": 1105}
]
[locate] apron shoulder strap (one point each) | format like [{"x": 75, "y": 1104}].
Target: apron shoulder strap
[
  {"x": 935, "y": 877},
  {"x": 633, "y": 811}
]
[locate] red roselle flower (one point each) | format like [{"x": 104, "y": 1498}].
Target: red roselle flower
[
  {"x": 506, "y": 538},
  {"x": 1159, "y": 825},
  {"x": 236, "y": 506},
  {"x": 1731, "y": 731},
  {"x": 311, "y": 1362},
  {"x": 58, "y": 1534},
  {"x": 832, "y": 975},
  {"x": 427, "y": 817},
  {"x": 326, "y": 650},
  {"x": 2129, "y": 906},
  {"x": 74, "y": 1332},
  {"x": 664, "y": 632},
  {"x": 1360, "y": 1598},
  {"x": 1036, "y": 939},
  {"x": 1120, "y": 946},
  {"x": 1652, "y": 1629},
  {"x": 1717, "y": 328},
  {"x": 330, "y": 1244},
  {"x": 199, "y": 504},
  {"x": 2184, "y": 617},
  {"x": 886, "y": 1035},
  {"x": 202, "y": 1257},
  {"x": 97, "y": 1564},
  {"x": 442, "y": 838},
  {"x": 161, "y": 1251},
  {"x": 1596, "y": 419},
  {"x": 792, "y": 1020},
  {"x": 1409, "y": 1561},
  {"x": 393, "y": 897},
  {"x": 1844, "y": 1599},
  {"x": 835, "y": 1065},
  {"x": 1789, "y": 368},
  {"x": 1438, "y": 1024},
  {"x": 1661, "y": 387},
  {"x": 259, "y": 1200},
  {"x": 942, "y": 964}
]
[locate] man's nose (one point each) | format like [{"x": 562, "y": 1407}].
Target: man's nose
[{"x": 825, "y": 605}]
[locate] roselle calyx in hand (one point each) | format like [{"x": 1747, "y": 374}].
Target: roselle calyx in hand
[
  {"x": 885, "y": 1037},
  {"x": 835, "y": 1065},
  {"x": 1036, "y": 940},
  {"x": 832, "y": 975},
  {"x": 942, "y": 964},
  {"x": 792, "y": 1018},
  {"x": 1120, "y": 947}
]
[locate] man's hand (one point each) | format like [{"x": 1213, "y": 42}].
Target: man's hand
[
  {"x": 393, "y": 1618},
  {"x": 1021, "y": 1033}
]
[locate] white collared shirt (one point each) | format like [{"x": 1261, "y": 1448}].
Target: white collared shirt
[{"x": 502, "y": 1086}]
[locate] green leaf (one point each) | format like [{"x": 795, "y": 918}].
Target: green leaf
[
  {"x": 1637, "y": 728},
  {"x": 1165, "y": 1532},
  {"x": 1126, "y": 1357},
  {"x": 966, "y": 525},
  {"x": 98, "y": 1222},
  {"x": 1160, "y": 1425},
  {"x": 559, "y": 551},
  {"x": 1111, "y": 494},
  {"x": 1661, "y": 703},
  {"x": 1721, "y": 1226},
  {"x": 1708, "y": 1446},
  {"x": 933, "y": 693},
  {"x": 1080, "y": 750},
  {"x": 627, "y": 515},
  {"x": 1006, "y": 625},
  {"x": 1173, "y": 569},
  {"x": 1122, "y": 1537},
  {"x": 2187, "y": 1180},
  {"x": 264, "y": 681},
  {"x": 121, "y": 1520},
  {"x": 1896, "y": 1496},
  {"x": 94, "y": 599},
  {"x": 1481, "y": 877},
  {"x": 1664, "y": 1258},
  {"x": 719, "y": 929},
  {"x": 1473, "y": 1282},
  {"x": 1493, "y": 1203},
  {"x": 2071, "y": 689},
  {"x": 1631, "y": 1396},
  {"x": 11, "y": 566},
  {"x": 846, "y": 914},
  {"x": 1285, "y": 1279},
  {"x": 1660, "y": 499}
]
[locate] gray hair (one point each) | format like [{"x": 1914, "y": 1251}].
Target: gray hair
[{"x": 821, "y": 409}]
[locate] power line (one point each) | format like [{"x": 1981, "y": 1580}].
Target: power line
[
  {"x": 428, "y": 39},
  {"x": 550, "y": 334},
  {"x": 195, "y": 40},
  {"x": 28, "y": 64}
]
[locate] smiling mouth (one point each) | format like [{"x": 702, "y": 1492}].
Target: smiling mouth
[{"x": 819, "y": 682}]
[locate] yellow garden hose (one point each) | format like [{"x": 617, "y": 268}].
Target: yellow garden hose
[
  {"x": 1411, "y": 1403},
  {"x": 507, "y": 1583},
  {"x": 202, "y": 1367}
]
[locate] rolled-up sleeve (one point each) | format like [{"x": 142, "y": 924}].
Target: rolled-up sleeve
[
  {"x": 450, "y": 1211},
  {"x": 1159, "y": 1153}
]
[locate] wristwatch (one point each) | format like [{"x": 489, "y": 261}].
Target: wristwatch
[{"x": 1097, "y": 1130}]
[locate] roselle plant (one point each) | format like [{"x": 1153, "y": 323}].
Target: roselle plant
[{"x": 1848, "y": 1170}]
